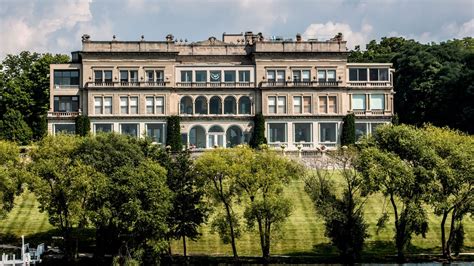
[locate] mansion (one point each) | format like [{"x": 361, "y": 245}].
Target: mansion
[{"x": 303, "y": 88}]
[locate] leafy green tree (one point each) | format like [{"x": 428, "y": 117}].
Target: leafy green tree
[
  {"x": 83, "y": 125},
  {"x": 64, "y": 185},
  {"x": 258, "y": 136},
  {"x": 213, "y": 168},
  {"x": 348, "y": 130},
  {"x": 24, "y": 86},
  {"x": 14, "y": 128},
  {"x": 173, "y": 133},
  {"x": 386, "y": 165},
  {"x": 9, "y": 166},
  {"x": 342, "y": 214}
]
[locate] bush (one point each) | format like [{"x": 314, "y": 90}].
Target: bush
[
  {"x": 348, "y": 130},
  {"x": 83, "y": 125},
  {"x": 173, "y": 133},
  {"x": 258, "y": 136},
  {"x": 13, "y": 127}
]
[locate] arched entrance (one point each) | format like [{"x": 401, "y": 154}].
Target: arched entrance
[
  {"x": 197, "y": 137},
  {"x": 186, "y": 105},
  {"x": 216, "y": 136},
  {"x": 233, "y": 136}
]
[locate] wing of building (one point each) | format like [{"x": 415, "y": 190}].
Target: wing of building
[{"x": 302, "y": 87}]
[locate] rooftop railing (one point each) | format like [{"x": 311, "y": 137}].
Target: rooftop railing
[
  {"x": 118, "y": 84},
  {"x": 265, "y": 84}
]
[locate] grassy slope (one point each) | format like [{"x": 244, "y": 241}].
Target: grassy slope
[{"x": 303, "y": 233}]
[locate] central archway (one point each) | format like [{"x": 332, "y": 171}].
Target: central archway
[
  {"x": 233, "y": 136},
  {"x": 197, "y": 137},
  {"x": 216, "y": 136}
]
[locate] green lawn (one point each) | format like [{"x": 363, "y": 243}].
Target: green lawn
[{"x": 303, "y": 233}]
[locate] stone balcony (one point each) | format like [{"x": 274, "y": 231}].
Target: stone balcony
[
  {"x": 369, "y": 84},
  {"x": 63, "y": 114},
  {"x": 122, "y": 84},
  {"x": 215, "y": 84},
  {"x": 325, "y": 84}
]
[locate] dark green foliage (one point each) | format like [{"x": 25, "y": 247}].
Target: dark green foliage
[
  {"x": 24, "y": 86},
  {"x": 258, "y": 135},
  {"x": 395, "y": 120},
  {"x": 173, "y": 133},
  {"x": 14, "y": 128},
  {"x": 348, "y": 130},
  {"x": 433, "y": 82},
  {"x": 458, "y": 239},
  {"x": 83, "y": 125}
]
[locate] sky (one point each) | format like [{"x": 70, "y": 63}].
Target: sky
[{"x": 56, "y": 26}]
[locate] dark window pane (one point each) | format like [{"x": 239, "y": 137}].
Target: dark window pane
[
  {"x": 362, "y": 74},
  {"x": 98, "y": 76},
  {"x": 374, "y": 74},
  {"x": 244, "y": 76},
  {"x": 201, "y": 76},
  {"x": 124, "y": 76},
  {"x": 383, "y": 74},
  {"x": 108, "y": 76},
  {"x": 229, "y": 76}
]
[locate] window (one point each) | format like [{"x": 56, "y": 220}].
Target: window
[
  {"x": 357, "y": 74},
  {"x": 201, "y": 76},
  {"x": 124, "y": 105},
  {"x": 103, "y": 128},
  {"x": 102, "y": 105},
  {"x": 277, "y": 132},
  {"x": 360, "y": 130},
  {"x": 102, "y": 76},
  {"x": 156, "y": 132},
  {"x": 374, "y": 126},
  {"x": 186, "y": 76},
  {"x": 154, "y": 105},
  {"x": 327, "y": 75},
  {"x": 230, "y": 106},
  {"x": 98, "y": 105},
  {"x": 377, "y": 102},
  {"x": 200, "y": 105},
  {"x": 133, "y": 105},
  {"x": 302, "y": 104},
  {"x": 358, "y": 102},
  {"x": 154, "y": 75},
  {"x": 271, "y": 75},
  {"x": 327, "y": 132},
  {"x": 123, "y": 76},
  {"x": 302, "y": 132},
  {"x": 98, "y": 76},
  {"x": 64, "y": 128},
  {"x": 215, "y": 106},
  {"x": 272, "y": 104},
  {"x": 327, "y": 104},
  {"x": 129, "y": 129},
  {"x": 281, "y": 105},
  {"x": 280, "y": 77},
  {"x": 229, "y": 76},
  {"x": 133, "y": 76},
  {"x": 244, "y": 76},
  {"x": 244, "y": 105},
  {"x": 301, "y": 75},
  {"x": 150, "y": 105},
  {"x": 378, "y": 74},
  {"x": 160, "y": 105},
  {"x": 108, "y": 105},
  {"x": 276, "y": 75},
  {"x": 186, "y": 105},
  {"x": 66, "y": 78},
  {"x": 66, "y": 103},
  {"x": 215, "y": 75}
]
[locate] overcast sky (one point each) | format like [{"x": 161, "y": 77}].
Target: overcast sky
[{"x": 56, "y": 26}]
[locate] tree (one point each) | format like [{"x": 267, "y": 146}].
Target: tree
[
  {"x": 173, "y": 133},
  {"x": 188, "y": 210},
  {"x": 14, "y": 128},
  {"x": 258, "y": 136},
  {"x": 64, "y": 185},
  {"x": 213, "y": 168},
  {"x": 342, "y": 214},
  {"x": 348, "y": 130},
  {"x": 83, "y": 125},
  {"x": 387, "y": 166},
  {"x": 24, "y": 86},
  {"x": 9, "y": 175}
]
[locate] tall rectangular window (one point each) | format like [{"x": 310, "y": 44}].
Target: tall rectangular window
[
  {"x": 358, "y": 102},
  {"x": 331, "y": 75},
  {"x": 281, "y": 105},
  {"x": 160, "y": 75},
  {"x": 327, "y": 132},
  {"x": 186, "y": 76},
  {"x": 360, "y": 130},
  {"x": 108, "y": 105},
  {"x": 332, "y": 104},
  {"x": 229, "y": 76},
  {"x": 160, "y": 105},
  {"x": 150, "y": 75},
  {"x": 302, "y": 132},
  {"x": 277, "y": 132},
  {"x": 98, "y": 105},
  {"x": 378, "y": 74},
  {"x": 123, "y": 75},
  {"x": 301, "y": 75},
  {"x": 296, "y": 75},
  {"x": 124, "y": 105},
  {"x": 133, "y": 76},
  {"x": 134, "y": 105},
  {"x": 307, "y": 104},
  {"x": 155, "y": 132},
  {"x": 108, "y": 75},
  {"x": 98, "y": 76},
  {"x": 297, "y": 108},
  {"x": 327, "y": 75},
  {"x": 201, "y": 76},
  {"x": 321, "y": 75},
  {"x": 323, "y": 104},
  {"x": 328, "y": 104},
  {"x": 272, "y": 104},
  {"x": 280, "y": 76},
  {"x": 244, "y": 76},
  {"x": 150, "y": 104},
  {"x": 271, "y": 75},
  {"x": 377, "y": 102},
  {"x": 357, "y": 74}
]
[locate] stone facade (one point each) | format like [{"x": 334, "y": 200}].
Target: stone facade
[{"x": 303, "y": 88}]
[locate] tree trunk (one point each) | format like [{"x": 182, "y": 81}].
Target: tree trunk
[
  {"x": 184, "y": 246},
  {"x": 443, "y": 234},
  {"x": 266, "y": 249},
  {"x": 232, "y": 234},
  {"x": 262, "y": 237},
  {"x": 399, "y": 234},
  {"x": 451, "y": 235}
]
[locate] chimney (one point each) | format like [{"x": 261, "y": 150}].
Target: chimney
[{"x": 298, "y": 37}]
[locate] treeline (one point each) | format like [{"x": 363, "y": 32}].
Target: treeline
[
  {"x": 138, "y": 196},
  {"x": 434, "y": 83}
]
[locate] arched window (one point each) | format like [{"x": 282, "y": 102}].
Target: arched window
[
  {"x": 200, "y": 105},
  {"x": 197, "y": 137},
  {"x": 233, "y": 136},
  {"x": 230, "y": 106},
  {"x": 186, "y": 105},
  {"x": 215, "y": 105},
  {"x": 216, "y": 136},
  {"x": 244, "y": 105}
]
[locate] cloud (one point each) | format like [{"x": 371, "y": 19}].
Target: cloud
[
  {"x": 459, "y": 31},
  {"x": 328, "y": 30}
]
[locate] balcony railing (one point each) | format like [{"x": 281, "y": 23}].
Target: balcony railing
[
  {"x": 63, "y": 114},
  {"x": 370, "y": 112},
  {"x": 372, "y": 84},
  {"x": 268, "y": 84},
  {"x": 214, "y": 84},
  {"x": 127, "y": 84},
  {"x": 60, "y": 86}
]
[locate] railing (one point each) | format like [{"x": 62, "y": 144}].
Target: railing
[
  {"x": 59, "y": 86},
  {"x": 328, "y": 144},
  {"x": 214, "y": 84},
  {"x": 369, "y": 84},
  {"x": 278, "y": 145},
  {"x": 118, "y": 84},
  {"x": 303, "y": 144},
  {"x": 63, "y": 114},
  {"x": 267, "y": 84},
  {"x": 370, "y": 112}
]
